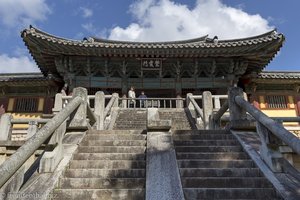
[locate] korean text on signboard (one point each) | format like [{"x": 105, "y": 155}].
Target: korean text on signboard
[{"x": 151, "y": 64}]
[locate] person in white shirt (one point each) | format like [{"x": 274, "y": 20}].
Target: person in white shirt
[{"x": 131, "y": 94}]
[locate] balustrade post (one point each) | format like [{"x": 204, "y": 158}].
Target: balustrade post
[
  {"x": 99, "y": 109},
  {"x": 238, "y": 116},
  {"x": 116, "y": 102},
  {"x": 188, "y": 100},
  {"x": 5, "y": 126},
  {"x": 124, "y": 102},
  {"x": 217, "y": 103},
  {"x": 54, "y": 151},
  {"x": 179, "y": 102},
  {"x": 32, "y": 129},
  {"x": 78, "y": 119},
  {"x": 207, "y": 106},
  {"x": 58, "y": 103},
  {"x": 270, "y": 148}
]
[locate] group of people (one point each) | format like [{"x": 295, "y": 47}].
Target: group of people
[{"x": 142, "y": 97}]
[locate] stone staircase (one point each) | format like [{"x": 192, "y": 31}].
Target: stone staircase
[
  {"x": 131, "y": 119},
  {"x": 178, "y": 117},
  {"x": 212, "y": 165},
  {"x": 107, "y": 165}
]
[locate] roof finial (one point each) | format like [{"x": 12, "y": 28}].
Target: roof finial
[{"x": 215, "y": 40}]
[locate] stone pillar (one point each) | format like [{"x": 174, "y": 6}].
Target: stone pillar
[
  {"x": 99, "y": 109},
  {"x": 179, "y": 103},
  {"x": 54, "y": 151},
  {"x": 78, "y": 119},
  {"x": 32, "y": 129},
  {"x": 5, "y": 126},
  {"x": 116, "y": 102},
  {"x": 238, "y": 115},
  {"x": 217, "y": 102},
  {"x": 269, "y": 149},
  {"x": 124, "y": 101},
  {"x": 58, "y": 104},
  {"x": 207, "y": 106}
]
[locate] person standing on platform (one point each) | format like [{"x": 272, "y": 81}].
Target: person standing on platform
[
  {"x": 143, "y": 101},
  {"x": 131, "y": 94}
]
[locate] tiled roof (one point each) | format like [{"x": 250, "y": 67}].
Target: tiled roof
[
  {"x": 279, "y": 75},
  {"x": 257, "y": 51},
  {"x": 26, "y": 78},
  {"x": 201, "y": 42}
]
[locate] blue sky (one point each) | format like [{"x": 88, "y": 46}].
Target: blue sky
[{"x": 147, "y": 20}]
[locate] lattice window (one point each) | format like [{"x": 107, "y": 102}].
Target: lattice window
[
  {"x": 26, "y": 104},
  {"x": 276, "y": 101}
]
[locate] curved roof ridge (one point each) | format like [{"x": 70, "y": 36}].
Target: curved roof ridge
[
  {"x": 281, "y": 71},
  {"x": 202, "y": 39},
  {"x": 272, "y": 32},
  {"x": 193, "y": 40},
  {"x": 37, "y": 30}
]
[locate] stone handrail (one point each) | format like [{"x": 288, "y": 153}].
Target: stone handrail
[
  {"x": 273, "y": 126},
  {"x": 275, "y": 139},
  {"x": 112, "y": 103},
  {"x": 216, "y": 118},
  {"x": 152, "y": 102},
  {"x": 197, "y": 107},
  {"x": 286, "y": 119},
  {"x": 76, "y": 111},
  {"x": 28, "y": 120}
]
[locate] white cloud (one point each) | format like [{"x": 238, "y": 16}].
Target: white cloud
[
  {"x": 89, "y": 27},
  {"x": 164, "y": 20},
  {"x": 17, "y": 64},
  {"x": 14, "y": 13},
  {"x": 86, "y": 12}
]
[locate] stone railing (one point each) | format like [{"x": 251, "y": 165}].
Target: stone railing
[
  {"x": 210, "y": 103},
  {"x": 151, "y": 102},
  {"x": 75, "y": 115},
  {"x": 276, "y": 141},
  {"x": 105, "y": 114}
]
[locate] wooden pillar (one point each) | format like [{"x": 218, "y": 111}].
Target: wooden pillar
[{"x": 298, "y": 105}]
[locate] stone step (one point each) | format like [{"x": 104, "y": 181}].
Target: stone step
[
  {"x": 200, "y": 132},
  {"x": 115, "y": 137},
  {"x": 112, "y": 149},
  {"x": 132, "y": 126},
  {"x": 128, "y": 128},
  {"x": 236, "y": 148},
  {"x": 105, "y": 173},
  {"x": 225, "y": 182},
  {"x": 203, "y": 136},
  {"x": 206, "y": 142},
  {"x": 141, "y": 131},
  {"x": 215, "y": 164},
  {"x": 99, "y": 183},
  {"x": 99, "y": 194},
  {"x": 106, "y": 164},
  {"x": 230, "y": 193},
  {"x": 132, "y": 121},
  {"x": 219, "y": 172},
  {"x": 113, "y": 143},
  {"x": 207, "y": 155},
  {"x": 109, "y": 156}
]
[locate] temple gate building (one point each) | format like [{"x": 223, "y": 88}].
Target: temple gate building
[{"x": 160, "y": 68}]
